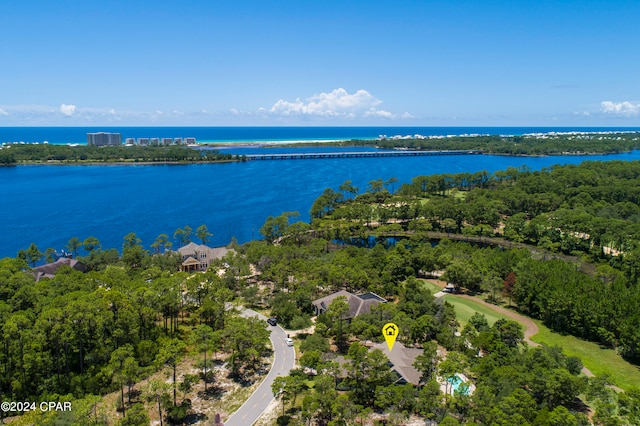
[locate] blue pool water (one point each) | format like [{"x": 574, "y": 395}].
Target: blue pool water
[{"x": 456, "y": 382}]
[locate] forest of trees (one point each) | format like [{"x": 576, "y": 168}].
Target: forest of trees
[
  {"x": 78, "y": 336},
  {"x": 542, "y": 379},
  {"x": 43, "y": 153},
  {"x": 535, "y": 144},
  {"x": 590, "y": 211}
]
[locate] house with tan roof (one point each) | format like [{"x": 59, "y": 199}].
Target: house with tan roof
[{"x": 198, "y": 257}]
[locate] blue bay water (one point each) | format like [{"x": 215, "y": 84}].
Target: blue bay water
[{"x": 48, "y": 205}]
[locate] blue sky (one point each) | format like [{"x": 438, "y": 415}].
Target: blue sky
[{"x": 243, "y": 62}]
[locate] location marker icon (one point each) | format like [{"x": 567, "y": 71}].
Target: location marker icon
[{"x": 390, "y": 332}]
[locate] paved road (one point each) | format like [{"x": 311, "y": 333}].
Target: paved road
[{"x": 283, "y": 362}]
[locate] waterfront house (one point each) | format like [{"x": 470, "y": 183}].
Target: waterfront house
[
  {"x": 50, "y": 269},
  {"x": 198, "y": 257}
]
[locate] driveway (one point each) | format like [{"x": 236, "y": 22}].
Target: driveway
[{"x": 283, "y": 361}]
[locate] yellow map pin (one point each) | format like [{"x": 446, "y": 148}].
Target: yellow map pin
[{"x": 390, "y": 332}]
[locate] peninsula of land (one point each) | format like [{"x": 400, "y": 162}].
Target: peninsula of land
[
  {"x": 574, "y": 143},
  {"x": 554, "y": 143}
]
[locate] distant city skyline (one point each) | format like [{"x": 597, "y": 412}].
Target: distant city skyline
[{"x": 335, "y": 63}]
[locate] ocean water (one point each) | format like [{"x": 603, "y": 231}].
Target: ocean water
[
  {"x": 63, "y": 135},
  {"x": 48, "y": 205}
]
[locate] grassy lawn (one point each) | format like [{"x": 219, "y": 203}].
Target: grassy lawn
[
  {"x": 465, "y": 309},
  {"x": 431, "y": 286},
  {"x": 597, "y": 359}
]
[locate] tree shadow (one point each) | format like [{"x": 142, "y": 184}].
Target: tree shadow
[
  {"x": 213, "y": 392},
  {"x": 134, "y": 395},
  {"x": 193, "y": 418},
  {"x": 244, "y": 379},
  {"x": 342, "y": 344}
]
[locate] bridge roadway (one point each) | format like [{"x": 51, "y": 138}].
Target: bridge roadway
[{"x": 355, "y": 154}]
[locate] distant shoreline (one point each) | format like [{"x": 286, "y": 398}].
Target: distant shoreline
[
  {"x": 62, "y": 135},
  {"x": 239, "y": 159},
  {"x": 117, "y": 163},
  {"x": 275, "y": 143},
  {"x": 211, "y": 151}
]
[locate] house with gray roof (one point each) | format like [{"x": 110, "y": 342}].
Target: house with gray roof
[
  {"x": 50, "y": 269},
  {"x": 358, "y": 304},
  {"x": 401, "y": 361}
]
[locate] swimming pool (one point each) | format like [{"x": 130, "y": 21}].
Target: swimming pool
[{"x": 458, "y": 385}]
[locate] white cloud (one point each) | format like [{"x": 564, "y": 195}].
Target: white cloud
[
  {"x": 114, "y": 115},
  {"x": 3, "y": 112},
  {"x": 379, "y": 113},
  {"x": 68, "y": 110},
  {"x": 625, "y": 108},
  {"x": 337, "y": 103}
]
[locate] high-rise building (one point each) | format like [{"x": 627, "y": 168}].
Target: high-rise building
[{"x": 104, "y": 139}]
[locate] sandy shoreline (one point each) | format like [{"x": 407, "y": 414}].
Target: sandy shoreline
[{"x": 257, "y": 144}]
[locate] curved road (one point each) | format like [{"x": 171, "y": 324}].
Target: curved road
[{"x": 283, "y": 361}]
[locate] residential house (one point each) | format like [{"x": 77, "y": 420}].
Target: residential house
[
  {"x": 401, "y": 361},
  {"x": 50, "y": 269},
  {"x": 358, "y": 304},
  {"x": 198, "y": 257}
]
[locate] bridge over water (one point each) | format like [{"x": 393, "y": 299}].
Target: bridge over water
[{"x": 355, "y": 154}]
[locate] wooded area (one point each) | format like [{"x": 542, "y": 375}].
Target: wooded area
[
  {"x": 590, "y": 211},
  {"x": 77, "y": 336},
  {"x": 50, "y": 153},
  {"x": 534, "y": 144}
]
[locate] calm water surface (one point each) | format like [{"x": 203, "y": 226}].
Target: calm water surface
[{"x": 50, "y": 204}]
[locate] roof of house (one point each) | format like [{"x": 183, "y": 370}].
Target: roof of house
[
  {"x": 401, "y": 359},
  {"x": 192, "y": 249},
  {"x": 190, "y": 261},
  {"x": 50, "y": 269},
  {"x": 358, "y": 304}
]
